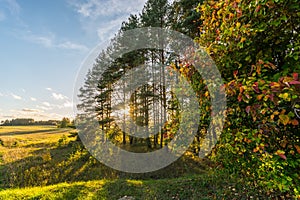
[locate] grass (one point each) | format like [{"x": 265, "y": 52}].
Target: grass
[
  {"x": 26, "y": 148},
  {"x": 208, "y": 186},
  {"x": 11, "y": 130},
  {"x": 45, "y": 163}
]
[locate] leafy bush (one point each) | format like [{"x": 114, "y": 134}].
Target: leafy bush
[{"x": 255, "y": 44}]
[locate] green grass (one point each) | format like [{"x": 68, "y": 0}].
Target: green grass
[
  {"x": 208, "y": 186},
  {"x": 45, "y": 163}
]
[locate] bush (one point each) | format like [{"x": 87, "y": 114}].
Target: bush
[{"x": 255, "y": 44}]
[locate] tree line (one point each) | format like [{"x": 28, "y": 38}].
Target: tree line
[
  {"x": 64, "y": 123},
  {"x": 28, "y": 122}
]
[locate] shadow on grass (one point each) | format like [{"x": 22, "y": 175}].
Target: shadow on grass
[{"x": 73, "y": 163}]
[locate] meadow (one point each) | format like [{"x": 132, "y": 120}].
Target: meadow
[{"x": 46, "y": 162}]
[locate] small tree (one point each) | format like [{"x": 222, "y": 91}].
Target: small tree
[{"x": 64, "y": 122}]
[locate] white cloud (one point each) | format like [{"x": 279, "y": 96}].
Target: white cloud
[
  {"x": 16, "y": 96},
  {"x": 1, "y": 95},
  {"x": 68, "y": 104},
  {"x": 46, "y": 104},
  {"x": 58, "y": 96},
  {"x": 30, "y": 110},
  {"x": 13, "y": 6},
  {"x": 104, "y": 18},
  {"x": 49, "y": 89},
  {"x": 36, "y": 114},
  {"x": 97, "y": 8},
  {"x": 72, "y": 46},
  {"x": 33, "y": 99},
  {"x": 46, "y": 41},
  {"x": 56, "y": 116},
  {"x": 108, "y": 31},
  {"x": 43, "y": 108},
  {"x": 50, "y": 41}
]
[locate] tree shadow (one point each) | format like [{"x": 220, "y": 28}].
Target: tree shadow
[{"x": 73, "y": 163}]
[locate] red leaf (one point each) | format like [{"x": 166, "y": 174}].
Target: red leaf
[
  {"x": 295, "y": 122},
  {"x": 255, "y": 87},
  {"x": 235, "y": 73},
  {"x": 282, "y": 156},
  {"x": 257, "y": 8},
  {"x": 239, "y": 12},
  {"x": 248, "y": 109},
  {"x": 295, "y": 76},
  {"x": 271, "y": 97},
  {"x": 240, "y": 97},
  {"x": 247, "y": 140},
  {"x": 294, "y": 82},
  {"x": 297, "y": 148}
]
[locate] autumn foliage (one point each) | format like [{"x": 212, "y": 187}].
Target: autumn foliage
[{"x": 255, "y": 44}]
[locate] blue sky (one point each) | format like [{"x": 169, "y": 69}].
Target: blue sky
[{"x": 42, "y": 45}]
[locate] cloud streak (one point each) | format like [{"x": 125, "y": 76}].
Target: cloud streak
[
  {"x": 47, "y": 104},
  {"x": 16, "y": 96},
  {"x": 104, "y": 18},
  {"x": 68, "y": 104},
  {"x": 108, "y": 31},
  {"x": 32, "y": 113},
  {"x": 58, "y": 96},
  {"x": 13, "y": 6},
  {"x": 30, "y": 110},
  {"x": 49, "y": 41},
  {"x": 96, "y": 8}
]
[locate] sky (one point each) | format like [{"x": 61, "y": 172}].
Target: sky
[{"x": 42, "y": 46}]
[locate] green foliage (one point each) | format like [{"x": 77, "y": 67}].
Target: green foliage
[
  {"x": 239, "y": 33},
  {"x": 62, "y": 141},
  {"x": 213, "y": 185},
  {"x": 185, "y": 17},
  {"x": 261, "y": 133},
  {"x": 65, "y": 122},
  {"x": 255, "y": 44}
]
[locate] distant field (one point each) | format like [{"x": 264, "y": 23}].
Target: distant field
[
  {"x": 23, "y": 147},
  {"x": 25, "y": 129},
  {"x": 29, "y": 136}
]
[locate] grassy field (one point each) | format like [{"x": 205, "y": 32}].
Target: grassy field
[
  {"x": 208, "y": 186},
  {"x": 44, "y": 162}
]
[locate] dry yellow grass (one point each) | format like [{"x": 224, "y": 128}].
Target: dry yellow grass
[{"x": 25, "y": 145}]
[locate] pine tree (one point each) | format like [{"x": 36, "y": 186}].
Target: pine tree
[{"x": 185, "y": 17}]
